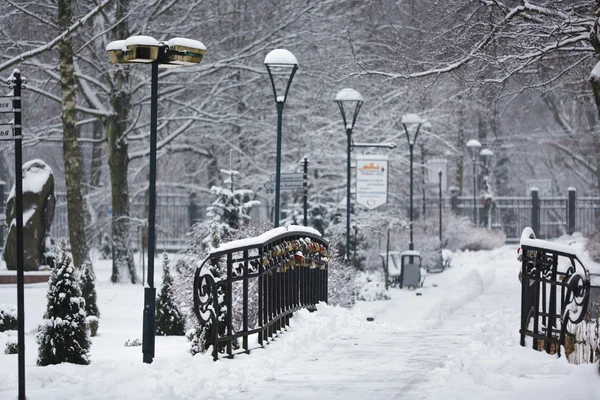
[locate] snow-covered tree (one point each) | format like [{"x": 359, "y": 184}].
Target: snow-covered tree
[
  {"x": 63, "y": 337},
  {"x": 169, "y": 320},
  {"x": 88, "y": 290}
]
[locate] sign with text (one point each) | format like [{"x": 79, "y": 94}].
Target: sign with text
[
  {"x": 6, "y": 104},
  {"x": 285, "y": 185},
  {"x": 288, "y": 177},
  {"x": 6, "y": 132},
  {"x": 371, "y": 180}
]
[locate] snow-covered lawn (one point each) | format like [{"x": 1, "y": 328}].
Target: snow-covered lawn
[{"x": 457, "y": 340}]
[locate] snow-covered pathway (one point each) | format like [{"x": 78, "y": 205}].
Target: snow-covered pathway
[{"x": 393, "y": 357}]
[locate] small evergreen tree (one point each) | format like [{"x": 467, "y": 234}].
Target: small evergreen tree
[
  {"x": 63, "y": 337},
  {"x": 88, "y": 290},
  {"x": 169, "y": 321}
]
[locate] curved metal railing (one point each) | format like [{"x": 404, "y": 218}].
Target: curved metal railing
[{"x": 252, "y": 286}]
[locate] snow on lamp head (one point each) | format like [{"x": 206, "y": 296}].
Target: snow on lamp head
[
  {"x": 411, "y": 120},
  {"x": 349, "y": 100},
  {"x": 281, "y": 64},
  {"x": 473, "y": 145}
]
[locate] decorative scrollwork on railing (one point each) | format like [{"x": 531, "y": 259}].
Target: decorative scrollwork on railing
[
  {"x": 577, "y": 296},
  {"x": 205, "y": 296}
]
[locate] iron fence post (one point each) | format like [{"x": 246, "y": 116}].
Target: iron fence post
[
  {"x": 535, "y": 211},
  {"x": 571, "y": 211}
]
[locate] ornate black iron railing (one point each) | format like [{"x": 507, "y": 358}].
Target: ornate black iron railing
[
  {"x": 555, "y": 289},
  {"x": 261, "y": 281}
]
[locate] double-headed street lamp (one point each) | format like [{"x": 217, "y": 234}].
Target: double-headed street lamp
[
  {"x": 349, "y": 101},
  {"x": 174, "y": 53},
  {"x": 411, "y": 120},
  {"x": 474, "y": 146},
  {"x": 282, "y": 66}
]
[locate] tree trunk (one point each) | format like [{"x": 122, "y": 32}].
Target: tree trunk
[
  {"x": 71, "y": 153},
  {"x": 96, "y": 161},
  {"x": 118, "y": 163}
]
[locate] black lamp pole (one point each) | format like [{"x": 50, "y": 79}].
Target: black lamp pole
[
  {"x": 148, "y": 334},
  {"x": 411, "y": 145},
  {"x": 474, "y": 146},
  {"x": 137, "y": 50},
  {"x": 352, "y": 98},
  {"x": 277, "y": 60}
]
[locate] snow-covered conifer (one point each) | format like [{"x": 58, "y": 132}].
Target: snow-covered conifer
[
  {"x": 63, "y": 337},
  {"x": 88, "y": 290},
  {"x": 169, "y": 321}
]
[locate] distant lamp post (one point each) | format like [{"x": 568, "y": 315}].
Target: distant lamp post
[
  {"x": 474, "y": 146},
  {"x": 486, "y": 160},
  {"x": 174, "y": 53},
  {"x": 411, "y": 120},
  {"x": 282, "y": 66},
  {"x": 349, "y": 101}
]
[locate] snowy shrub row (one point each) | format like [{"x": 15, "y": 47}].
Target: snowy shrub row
[
  {"x": 592, "y": 245},
  {"x": 8, "y": 318}
]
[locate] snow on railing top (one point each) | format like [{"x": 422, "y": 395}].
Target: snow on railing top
[
  {"x": 528, "y": 239},
  {"x": 265, "y": 237}
]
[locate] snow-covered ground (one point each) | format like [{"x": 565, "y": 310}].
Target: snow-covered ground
[{"x": 457, "y": 340}]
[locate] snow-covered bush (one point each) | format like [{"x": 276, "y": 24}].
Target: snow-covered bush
[
  {"x": 592, "y": 245},
  {"x": 371, "y": 287},
  {"x": 11, "y": 348},
  {"x": 63, "y": 337},
  {"x": 88, "y": 290},
  {"x": 197, "y": 338},
  {"x": 92, "y": 324},
  {"x": 460, "y": 234},
  {"x": 8, "y": 318},
  {"x": 169, "y": 321},
  {"x": 133, "y": 342},
  {"x": 342, "y": 284}
]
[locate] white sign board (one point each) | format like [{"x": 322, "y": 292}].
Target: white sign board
[
  {"x": 6, "y": 104},
  {"x": 544, "y": 187},
  {"x": 371, "y": 180},
  {"x": 6, "y": 132},
  {"x": 433, "y": 173}
]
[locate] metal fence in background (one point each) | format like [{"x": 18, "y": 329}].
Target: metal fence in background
[
  {"x": 176, "y": 213},
  {"x": 550, "y": 217}
]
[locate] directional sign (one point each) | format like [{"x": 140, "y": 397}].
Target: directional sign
[
  {"x": 6, "y": 132},
  {"x": 288, "y": 177},
  {"x": 284, "y": 185},
  {"x": 6, "y": 104}
]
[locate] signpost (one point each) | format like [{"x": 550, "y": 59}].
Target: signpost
[
  {"x": 12, "y": 104},
  {"x": 371, "y": 180}
]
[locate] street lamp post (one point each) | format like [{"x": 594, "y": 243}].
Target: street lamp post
[
  {"x": 280, "y": 63},
  {"x": 474, "y": 146},
  {"x": 486, "y": 159},
  {"x": 349, "y": 101},
  {"x": 174, "y": 53},
  {"x": 411, "y": 119}
]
